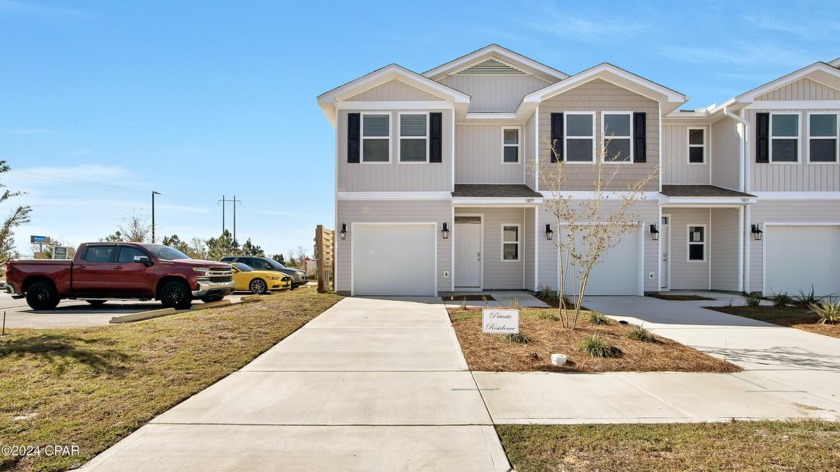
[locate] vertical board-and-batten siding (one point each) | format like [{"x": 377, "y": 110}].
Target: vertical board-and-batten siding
[
  {"x": 391, "y": 91},
  {"x": 675, "y": 167},
  {"x": 479, "y": 151},
  {"x": 685, "y": 275},
  {"x": 597, "y": 96},
  {"x": 724, "y": 250},
  {"x": 802, "y": 89},
  {"x": 528, "y": 248},
  {"x": 494, "y": 93},
  {"x": 394, "y": 176},
  {"x": 726, "y": 154},
  {"x": 775, "y": 211},
  {"x": 430, "y": 211},
  {"x": 531, "y": 152}
]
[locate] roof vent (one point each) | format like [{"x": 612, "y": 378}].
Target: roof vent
[{"x": 491, "y": 67}]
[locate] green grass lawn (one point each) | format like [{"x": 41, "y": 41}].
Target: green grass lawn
[
  {"x": 741, "y": 446},
  {"x": 91, "y": 387}
]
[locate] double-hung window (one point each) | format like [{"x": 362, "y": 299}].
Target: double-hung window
[
  {"x": 580, "y": 137},
  {"x": 510, "y": 242},
  {"x": 697, "y": 243},
  {"x": 617, "y": 133},
  {"x": 414, "y": 137},
  {"x": 510, "y": 145},
  {"x": 784, "y": 137},
  {"x": 376, "y": 137},
  {"x": 822, "y": 137},
  {"x": 696, "y": 146}
]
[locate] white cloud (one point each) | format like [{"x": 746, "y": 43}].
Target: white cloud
[
  {"x": 741, "y": 54},
  {"x": 17, "y": 7}
]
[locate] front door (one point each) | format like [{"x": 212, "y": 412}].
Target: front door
[
  {"x": 665, "y": 245},
  {"x": 468, "y": 252}
]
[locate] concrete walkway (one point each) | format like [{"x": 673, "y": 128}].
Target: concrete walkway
[{"x": 368, "y": 385}]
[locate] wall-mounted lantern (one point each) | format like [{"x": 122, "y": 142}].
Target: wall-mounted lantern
[
  {"x": 445, "y": 231},
  {"x": 654, "y": 233},
  {"x": 549, "y": 234},
  {"x": 756, "y": 232},
  {"x": 343, "y": 232}
]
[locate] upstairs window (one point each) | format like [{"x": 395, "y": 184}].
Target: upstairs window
[
  {"x": 414, "y": 137},
  {"x": 617, "y": 135},
  {"x": 696, "y": 146},
  {"x": 376, "y": 137},
  {"x": 822, "y": 137},
  {"x": 510, "y": 145},
  {"x": 784, "y": 138},
  {"x": 510, "y": 242},
  {"x": 579, "y": 143}
]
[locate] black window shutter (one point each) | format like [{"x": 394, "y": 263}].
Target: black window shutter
[
  {"x": 354, "y": 137},
  {"x": 557, "y": 137},
  {"x": 762, "y": 138},
  {"x": 639, "y": 137},
  {"x": 435, "y": 137}
]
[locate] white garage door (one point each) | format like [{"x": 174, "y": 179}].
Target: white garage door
[
  {"x": 618, "y": 273},
  {"x": 798, "y": 256},
  {"x": 394, "y": 259}
]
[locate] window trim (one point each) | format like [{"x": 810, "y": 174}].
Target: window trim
[
  {"x": 689, "y": 243},
  {"x": 703, "y": 146},
  {"x": 566, "y": 137},
  {"x": 629, "y": 137},
  {"x": 518, "y": 242},
  {"x": 362, "y": 136},
  {"x": 400, "y": 137},
  {"x": 518, "y": 145},
  {"x": 836, "y": 137},
  {"x": 798, "y": 138}
]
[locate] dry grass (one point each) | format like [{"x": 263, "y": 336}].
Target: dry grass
[
  {"x": 741, "y": 446},
  {"x": 91, "y": 387},
  {"x": 788, "y": 316},
  {"x": 494, "y": 353}
]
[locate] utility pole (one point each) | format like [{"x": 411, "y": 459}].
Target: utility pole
[
  {"x": 235, "y": 201},
  {"x": 153, "y": 214},
  {"x": 223, "y": 202}
]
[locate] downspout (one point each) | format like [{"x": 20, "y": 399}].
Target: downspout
[{"x": 744, "y": 238}]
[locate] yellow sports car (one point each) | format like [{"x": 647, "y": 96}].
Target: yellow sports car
[{"x": 245, "y": 278}]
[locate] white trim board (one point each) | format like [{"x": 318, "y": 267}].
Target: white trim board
[
  {"x": 794, "y": 105},
  {"x": 587, "y": 195},
  {"x": 797, "y": 195},
  {"x": 395, "y": 105},
  {"x": 432, "y": 195}
]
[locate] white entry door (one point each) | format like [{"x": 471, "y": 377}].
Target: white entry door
[
  {"x": 468, "y": 253},
  {"x": 665, "y": 245}
]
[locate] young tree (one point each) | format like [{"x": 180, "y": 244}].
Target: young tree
[
  {"x": 222, "y": 246},
  {"x": 135, "y": 228},
  {"x": 198, "y": 249},
  {"x": 175, "y": 242},
  {"x": 588, "y": 229},
  {"x": 279, "y": 258},
  {"x": 250, "y": 249},
  {"x": 18, "y": 216}
]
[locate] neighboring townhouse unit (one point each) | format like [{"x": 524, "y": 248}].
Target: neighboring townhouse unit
[{"x": 436, "y": 190}]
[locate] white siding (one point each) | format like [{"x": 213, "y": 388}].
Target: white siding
[
  {"x": 802, "y": 89},
  {"x": 394, "y": 176},
  {"x": 793, "y": 177},
  {"x": 675, "y": 166},
  {"x": 780, "y": 211},
  {"x": 494, "y": 93},
  {"x": 723, "y": 237},
  {"x": 349, "y": 211},
  {"x": 479, "y": 151},
  {"x": 687, "y": 275},
  {"x": 393, "y": 90},
  {"x": 726, "y": 154},
  {"x": 528, "y": 247},
  {"x": 530, "y": 152}
]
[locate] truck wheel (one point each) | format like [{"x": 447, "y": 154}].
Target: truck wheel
[
  {"x": 42, "y": 296},
  {"x": 258, "y": 286},
  {"x": 175, "y": 295},
  {"x": 96, "y": 302}
]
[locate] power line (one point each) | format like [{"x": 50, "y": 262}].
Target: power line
[{"x": 28, "y": 174}]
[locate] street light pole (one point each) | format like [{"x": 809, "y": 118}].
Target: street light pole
[{"x": 153, "y": 214}]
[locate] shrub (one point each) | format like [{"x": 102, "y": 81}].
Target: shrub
[
  {"x": 827, "y": 310},
  {"x": 549, "y": 315},
  {"x": 805, "y": 300},
  {"x": 782, "y": 299},
  {"x": 519, "y": 338},
  {"x": 595, "y": 347},
  {"x": 599, "y": 318},
  {"x": 752, "y": 298},
  {"x": 641, "y": 334},
  {"x": 548, "y": 295}
]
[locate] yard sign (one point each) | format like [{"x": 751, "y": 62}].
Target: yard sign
[{"x": 500, "y": 321}]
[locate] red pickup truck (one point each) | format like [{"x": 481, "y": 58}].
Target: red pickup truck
[{"x": 105, "y": 271}]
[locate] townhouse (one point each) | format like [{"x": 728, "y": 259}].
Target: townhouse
[{"x": 437, "y": 190}]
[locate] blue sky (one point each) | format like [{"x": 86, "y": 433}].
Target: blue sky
[{"x": 102, "y": 102}]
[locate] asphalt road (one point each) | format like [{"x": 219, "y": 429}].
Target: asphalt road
[{"x": 73, "y": 313}]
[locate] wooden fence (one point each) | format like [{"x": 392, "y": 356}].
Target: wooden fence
[{"x": 325, "y": 255}]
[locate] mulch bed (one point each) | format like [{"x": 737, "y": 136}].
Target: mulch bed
[
  {"x": 681, "y": 298},
  {"x": 495, "y": 353},
  {"x": 469, "y": 298},
  {"x": 788, "y": 316}
]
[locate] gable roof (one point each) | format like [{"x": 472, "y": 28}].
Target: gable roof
[
  {"x": 501, "y": 55},
  {"x": 670, "y": 99},
  {"x": 835, "y": 63},
  {"x": 327, "y": 100},
  {"x": 819, "y": 72}
]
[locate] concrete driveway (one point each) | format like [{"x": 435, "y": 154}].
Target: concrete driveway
[{"x": 368, "y": 385}]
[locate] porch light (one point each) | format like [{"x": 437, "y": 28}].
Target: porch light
[
  {"x": 549, "y": 235},
  {"x": 343, "y": 232},
  {"x": 756, "y": 232},
  {"x": 654, "y": 232},
  {"x": 445, "y": 231}
]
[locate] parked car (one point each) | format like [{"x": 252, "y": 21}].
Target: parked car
[
  {"x": 298, "y": 276},
  {"x": 246, "y": 278},
  {"x": 121, "y": 270}
]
